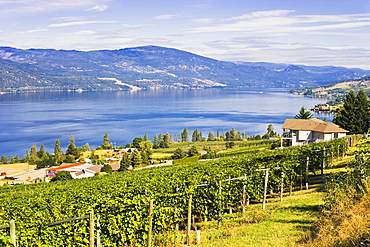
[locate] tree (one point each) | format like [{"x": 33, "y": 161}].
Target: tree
[
  {"x": 41, "y": 152},
  {"x": 178, "y": 154},
  {"x": 185, "y": 135},
  {"x": 146, "y": 151},
  {"x": 193, "y": 151},
  {"x": 304, "y": 113},
  {"x": 72, "y": 149},
  {"x": 155, "y": 141},
  {"x": 363, "y": 115},
  {"x": 62, "y": 176},
  {"x": 167, "y": 138},
  {"x": 106, "y": 142},
  {"x": 136, "y": 142},
  {"x": 146, "y": 137},
  {"x": 33, "y": 151},
  {"x": 210, "y": 136},
  {"x": 229, "y": 145},
  {"x": 136, "y": 159},
  {"x": 4, "y": 159},
  {"x": 57, "y": 150},
  {"x": 46, "y": 160},
  {"x": 195, "y": 135},
  {"x": 270, "y": 131},
  {"x": 106, "y": 168},
  {"x": 69, "y": 159},
  {"x": 352, "y": 116},
  {"x": 125, "y": 162}
]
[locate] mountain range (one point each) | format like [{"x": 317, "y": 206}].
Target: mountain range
[{"x": 150, "y": 67}]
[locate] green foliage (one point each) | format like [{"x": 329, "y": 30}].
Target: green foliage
[
  {"x": 178, "y": 154},
  {"x": 121, "y": 199},
  {"x": 354, "y": 115},
  {"x": 106, "y": 168},
  {"x": 193, "y": 151},
  {"x": 106, "y": 142},
  {"x": 304, "y": 113},
  {"x": 125, "y": 162},
  {"x": 72, "y": 149},
  {"x": 62, "y": 176},
  {"x": 4, "y": 159},
  {"x": 229, "y": 144}
]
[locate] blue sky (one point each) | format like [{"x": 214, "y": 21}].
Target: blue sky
[{"x": 309, "y": 32}]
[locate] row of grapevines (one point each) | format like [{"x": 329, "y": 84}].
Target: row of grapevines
[{"x": 121, "y": 199}]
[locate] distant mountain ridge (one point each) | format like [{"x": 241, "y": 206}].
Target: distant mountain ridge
[{"x": 149, "y": 67}]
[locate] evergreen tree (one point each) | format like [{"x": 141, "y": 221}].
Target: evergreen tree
[
  {"x": 178, "y": 154},
  {"x": 304, "y": 113},
  {"x": 210, "y": 136},
  {"x": 106, "y": 142},
  {"x": 4, "y": 159},
  {"x": 27, "y": 156},
  {"x": 125, "y": 162},
  {"x": 167, "y": 138},
  {"x": 270, "y": 131},
  {"x": 351, "y": 116},
  {"x": 145, "y": 137},
  {"x": 33, "y": 151},
  {"x": 200, "y": 137},
  {"x": 72, "y": 149},
  {"x": 41, "y": 152},
  {"x": 363, "y": 115},
  {"x": 193, "y": 151},
  {"x": 185, "y": 135},
  {"x": 136, "y": 159},
  {"x": 146, "y": 151},
  {"x": 57, "y": 150},
  {"x": 155, "y": 141},
  {"x": 217, "y": 133},
  {"x": 195, "y": 136}
]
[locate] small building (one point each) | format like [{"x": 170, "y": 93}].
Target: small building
[
  {"x": 303, "y": 131},
  {"x": 77, "y": 170}
]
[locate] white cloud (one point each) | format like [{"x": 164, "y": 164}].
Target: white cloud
[
  {"x": 164, "y": 17},
  {"x": 279, "y": 22},
  {"x": 261, "y": 14},
  {"x": 75, "y": 23},
  {"x": 98, "y": 7},
  {"x": 37, "y": 30},
  {"x": 43, "y": 5},
  {"x": 69, "y": 18},
  {"x": 204, "y": 20}
]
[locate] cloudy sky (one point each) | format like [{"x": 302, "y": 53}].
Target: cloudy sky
[{"x": 310, "y": 32}]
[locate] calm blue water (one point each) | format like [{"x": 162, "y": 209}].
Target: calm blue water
[{"x": 41, "y": 118}]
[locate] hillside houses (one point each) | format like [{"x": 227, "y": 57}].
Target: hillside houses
[
  {"x": 79, "y": 170},
  {"x": 303, "y": 131}
]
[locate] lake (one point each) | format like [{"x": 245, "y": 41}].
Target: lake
[{"x": 42, "y": 118}]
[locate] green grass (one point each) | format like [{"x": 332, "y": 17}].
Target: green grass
[{"x": 285, "y": 225}]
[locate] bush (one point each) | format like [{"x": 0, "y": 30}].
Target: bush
[
  {"x": 62, "y": 175},
  {"x": 106, "y": 168}
]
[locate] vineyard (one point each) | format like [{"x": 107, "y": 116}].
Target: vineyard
[{"x": 121, "y": 200}]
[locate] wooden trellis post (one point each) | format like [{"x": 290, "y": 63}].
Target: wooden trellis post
[
  {"x": 188, "y": 227},
  {"x": 150, "y": 223}
]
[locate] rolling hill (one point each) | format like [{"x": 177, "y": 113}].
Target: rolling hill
[{"x": 149, "y": 67}]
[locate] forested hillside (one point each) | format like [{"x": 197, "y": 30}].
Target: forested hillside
[{"x": 148, "y": 67}]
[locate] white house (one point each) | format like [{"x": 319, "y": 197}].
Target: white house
[{"x": 303, "y": 131}]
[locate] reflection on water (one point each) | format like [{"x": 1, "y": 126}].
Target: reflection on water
[{"x": 41, "y": 118}]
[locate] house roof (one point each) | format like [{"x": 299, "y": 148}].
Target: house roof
[
  {"x": 64, "y": 166},
  {"x": 312, "y": 124}
]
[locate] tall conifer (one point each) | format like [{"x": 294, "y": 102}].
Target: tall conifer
[{"x": 354, "y": 115}]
